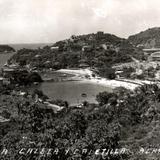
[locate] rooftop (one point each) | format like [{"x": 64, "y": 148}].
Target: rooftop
[{"x": 156, "y": 54}]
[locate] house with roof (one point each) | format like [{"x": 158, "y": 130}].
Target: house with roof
[
  {"x": 87, "y": 48},
  {"x": 83, "y": 65},
  {"x": 154, "y": 56},
  {"x": 55, "y": 48}
]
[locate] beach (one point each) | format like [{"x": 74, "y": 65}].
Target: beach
[{"x": 82, "y": 73}]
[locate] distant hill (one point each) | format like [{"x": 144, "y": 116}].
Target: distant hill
[
  {"x": 95, "y": 50},
  {"x": 149, "y": 38},
  {"x": 6, "y": 49},
  {"x": 90, "y": 39}
]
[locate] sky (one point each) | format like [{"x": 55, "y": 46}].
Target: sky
[{"x": 47, "y": 21}]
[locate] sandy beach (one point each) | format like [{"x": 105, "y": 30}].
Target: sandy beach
[{"x": 81, "y": 73}]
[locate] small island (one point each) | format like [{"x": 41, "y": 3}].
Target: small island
[{"x": 6, "y": 49}]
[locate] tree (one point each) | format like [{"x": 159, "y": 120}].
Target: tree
[
  {"x": 103, "y": 97},
  {"x": 107, "y": 72}
]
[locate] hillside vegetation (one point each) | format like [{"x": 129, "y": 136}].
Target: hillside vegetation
[
  {"x": 122, "y": 119},
  {"x": 94, "y": 50},
  {"x": 149, "y": 38}
]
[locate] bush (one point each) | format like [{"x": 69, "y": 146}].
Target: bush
[
  {"x": 6, "y": 114},
  {"x": 107, "y": 72},
  {"x": 103, "y": 97}
]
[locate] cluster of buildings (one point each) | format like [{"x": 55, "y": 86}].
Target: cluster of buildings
[
  {"x": 8, "y": 73},
  {"x": 149, "y": 67}
]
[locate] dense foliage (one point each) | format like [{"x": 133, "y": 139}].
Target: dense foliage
[
  {"x": 149, "y": 38},
  {"x": 24, "y": 77},
  {"x": 123, "y": 118},
  {"x": 86, "y": 50},
  {"x": 6, "y": 48}
]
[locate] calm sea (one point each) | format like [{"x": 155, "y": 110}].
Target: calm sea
[
  {"x": 29, "y": 45},
  {"x": 72, "y": 91}
]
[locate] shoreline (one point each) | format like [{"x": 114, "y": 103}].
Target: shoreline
[{"x": 81, "y": 73}]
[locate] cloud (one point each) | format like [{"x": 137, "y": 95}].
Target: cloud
[{"x": 51, "y": 20}]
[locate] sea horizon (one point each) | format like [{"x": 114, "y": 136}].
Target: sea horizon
[{"x": 18, "y": 46}]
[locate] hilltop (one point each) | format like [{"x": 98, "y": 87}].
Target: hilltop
[
  {"x": 92, "y": 50},
  {"x": 93, "y": 38},
  {"x": 149, "y": 38}
]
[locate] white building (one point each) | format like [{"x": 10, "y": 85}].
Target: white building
[{"x": 55, "y": 48}]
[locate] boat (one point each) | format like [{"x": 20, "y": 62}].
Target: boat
[
  {"x": 36, "y": 83},
  {"x": 84, "y": 95}
]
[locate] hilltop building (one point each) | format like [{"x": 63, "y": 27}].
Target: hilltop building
[{"x": 99, "y": 35}]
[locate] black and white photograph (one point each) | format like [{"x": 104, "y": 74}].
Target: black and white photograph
[{"x": 79, "y": 80}]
